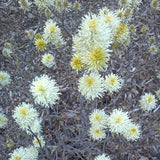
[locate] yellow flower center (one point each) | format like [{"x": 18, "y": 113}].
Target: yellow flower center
[
  {"x": 23, "y": 111},
  {"x": 16, "y": 158},
  {"x": 108, "y": 19},
  {"x": 36, "y": 142},
  {"x": 41, "y": 88},
  {"x": 150, "y": 99},
  {"x": 52, "y": 28},
  {"x": 118, "y": 119},
  {"x": 48, "y": 57},
  {"x": 38, "y": 36},
  {"x": 93, "y": 23},
  {"x": 112, "y": 80},
  {"x": 134, "y": 130},
  {"x": 97, "y": 131},
  {"x": 1, "y": 119},
  {"x": 105, "y": 11},
  {"x": 1, "y": 76},
  {"x": 89, "y": 81},
  {"x": 97, "y": 55},
  {"x": 97, "y": 117}
]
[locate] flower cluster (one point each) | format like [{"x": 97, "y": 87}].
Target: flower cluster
[
  {"x": 52, "y": 34},
  {"x": 24, "y": 4},
  {"x": 98, "y": 121},
  {"x": 7, "y": 50},
  {"x": 118, "y": 122},
  {"x": 44, "y": 91}
]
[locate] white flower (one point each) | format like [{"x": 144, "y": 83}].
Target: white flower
[
  {"x": 4, "y": 78},
  {"x": 124, "y": 3},
  {"x": 102, "y": 157},
  {"x": 18, "y": 154},
  {"x": 96, "y": 59},
  {"x": 32, "y": 153},
  {"x": 52, "y": 34},
  {"x": 41, "y": 4},
  {"x": 112, "y": 83},
  {"x": 6, "y": 52},
  {"x": 93, "y": 33},
  {"x": 111, "y": 19},
  {"x": 91, "y": 86},
  {"x": 97, "y": 133},
  {"x": 24, "y": 4},
  {"x": 35, "y": 126},
  {"x": 118, "y": 121},
  {"x": 132, "y": 132},
  {"x": 36, "y": 142},
  {"x": 148, "y": 101},
  {"x": 3, "y": 120},
  {"x": 98, "y": 118},
  {"x": 44, "y": 91},
  {"x": 25, "y": 115},
  {"x": 48, "y": 60},
  {"x": 22, "y": 153}
]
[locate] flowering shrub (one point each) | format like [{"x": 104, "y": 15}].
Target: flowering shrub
[{"x": 79, "y": 80}]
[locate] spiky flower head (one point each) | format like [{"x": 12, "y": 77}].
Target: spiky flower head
[
  {"x": 37, "y": 36},
  {"x": 48, "y": 60},
  {"x": 24, "y": 4},
  {"x": 118, "y": 121},
  {"x": 21, "y": 153},
  {"x": 98, "y": 118},
  {"x": 40, "y": 44},
  {"x": 122, "y": 33},
  {"x": 97, "y": 133},
  {"x": 144, "y": 29},
  {"x": 102, "y": 157},
  {"x": 112, "y": 83},
  {"x": 155, "y": 5},
  {"x": 42, "y": 4},
  {"x": 62, "y": 5},
  {"x": 96, "y": 59},
  {"x": 24, "y": 114},
  {"x": 4, "y": 78},
  {"x": 45, "y": 91},
  {"x": 153, "y": 49},
  {"x": 6, "y": 52},
  {"x": 91, "y": 86},
  {"x": 152, "y": 40},
  {"x": 52, "y": 33},
  {"x": 148, "y": 102},
  {"x": 132, "y": 132},
  {"x": 124, "y": 3},
  {"x": 18, "y": 154},
  {"x": 111, "y": 19},
  {"x": 39, "y": 141},
  {"x": 76, "y": 6},
  {"x": 76, "y": 62},
  {"x": 3, "y": 120}
]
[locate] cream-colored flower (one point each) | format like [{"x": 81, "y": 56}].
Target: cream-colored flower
[
  {"x": 3, "y": 120},
  {"x": 48, "y": 60},
  {"x": 52, "y": 33},
  {"x": 98, "y": 118},
  {"x": 37, "y": 143},
  {"x": 148, "y": 102},
  {"x": 45, "y": 91},
  {"x": 4, "y": 78},
  {"x": 132, "y": 132},
  {"x": 112, "y": 83},
  {"x": 118, "y": 121},
  {"x": 25, "y": 115},
  {"x": 91, "y": 86},
  {"x": 97, "y": 133}
]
